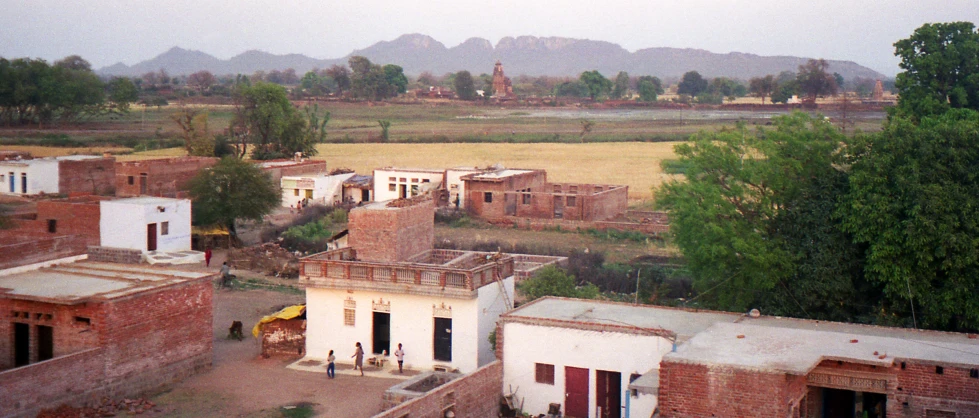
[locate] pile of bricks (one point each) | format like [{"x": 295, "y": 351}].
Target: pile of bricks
[
  {"x": 268, "y": 258},
  {"x": 106, "y": 408}
]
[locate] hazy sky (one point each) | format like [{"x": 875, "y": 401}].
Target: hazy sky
[{"x": 109, "y": 31}]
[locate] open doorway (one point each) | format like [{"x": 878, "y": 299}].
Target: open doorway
[
  {"x": 608, "y": 393},
  {"x": 402, "y": 191},
  {"x": 22, "y": 344},
  {"x": 382, "y": 333},
  {"x": 849, "y": 404},
  {"x": 151, "y": 237},
  {"x": 443, "y": 339},
  {"x": 45, "y": 343}
]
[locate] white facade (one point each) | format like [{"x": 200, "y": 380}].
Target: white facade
[
  {"x": 411, "y": 322},
  {"x": 397, "y": 183},
  {"x": 140, "y": 222},
  {"x": 322, "y": 189},
  {"x": 28, "y": 177},
  {"x": 527, "y": 345},
  {"x": 455, "y": 185}
]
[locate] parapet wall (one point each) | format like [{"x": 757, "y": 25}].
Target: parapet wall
[{"x": 476, "y": 395}]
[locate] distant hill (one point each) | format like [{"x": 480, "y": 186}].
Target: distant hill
[{"x": 528, "y": 55}]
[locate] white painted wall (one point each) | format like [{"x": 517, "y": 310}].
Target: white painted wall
[
  {"x": 382, "y": 181},
  {"x": 122, "y": 223},
  {"x": 524, "y": 345},
  {"x": 326, "y": 189},
  {"x": 42, "y": 176},
  {"x": 491, "y": 306},
  {"x": 455, "y": 186},
  {"x": 412, "y": 324}
]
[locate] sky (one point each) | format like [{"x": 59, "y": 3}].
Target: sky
[{"x": 129, "y": 31}]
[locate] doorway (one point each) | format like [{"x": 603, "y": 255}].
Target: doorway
[
  {"x": 365, "y": 195},
  {"x": 575, "y": 392},
  {"x": 402, "y": 191},
  {"x": 151, "y": 237},
  {"x": 510, "y": 204},
  {"x": 443, "y": 339},
  {"x": 22, "y": 344},
  {"x": 608, "y": 393},
  {"x": 142, "y": 183},
  {"x": 45, "y": 343},
  {"x": 558, "y": 207},
  {"x": 382, "y": 333}
]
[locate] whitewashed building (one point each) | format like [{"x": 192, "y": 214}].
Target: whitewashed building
[
  {"x": 400, "y": 183},
  {"x": 596, "y": 359},
  {"x": 320, "y": 189},
  {"x": 66, "y": 174},
  {"x": 146, "y": 224}
]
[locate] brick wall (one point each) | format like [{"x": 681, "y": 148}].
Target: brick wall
[
  {"x": 164, "y": 177},
  {"x": 476, "y": 395},
  {"x": 694, "y": 390},
  {"x": 608, "y": 204},
  {"x": 71, "y": 332},
  {"x": 392, "y": 234},
  {"x": 114, "y": 255},
  {"x": 578, "y": 202},
  {"x": 297, "y": 169},
  {"x": 72, "y": 217},
  {"x": 284, "y": 338},
  {"x": 71, "y": 379},
  {"x": 21, "y": 250},
  {"x": 921, "y": 388},
  {"x": 93, "y": 176}
]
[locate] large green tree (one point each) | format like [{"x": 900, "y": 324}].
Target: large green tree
[
  {"x": 621, "y": 85},
  {"x": 265, "y": 118},
  {"x": 232, "y": 190},
  {"x": 396, "y": 80},
  {"x": 598, "y": 85},
  {"x": 762, "y": 86},
  {"x": 692, "y": 84},
  {"x": 649, "y": 88},
  {"x": 553, "y": 281},
  {"x": 914, "y": 202},
  {"x": 368, "y": 80},
  {"x": 730, "y": 217},
  {"x": 941, "y": 69},
  {"x": 464, "y": 85},
  {"x": 815, "y": 80}
]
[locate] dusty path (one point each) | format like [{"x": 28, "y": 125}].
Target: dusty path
[{"x": 242, "y": 384}]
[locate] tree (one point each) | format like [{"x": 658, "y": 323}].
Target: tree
[
  {"x": 786, "y": 86},
  {"x": 74, "y": 62},
  {"x": 762, "y": 86},
  {"x": 122, "y": 93},
  {"x": 314, "y": 84},
  {"x": 464, "y": 85},
  {"x": 231, "y": 190},
  {"x": 649, "y": 88},
  {"x": 198, "y": 140},
  {"x": 621, "y": 85},
  {"x": 598, "y": 85},
  {"x": 914, "y": 202},
  {"x": 368, "y": 80},
  {"x": 385, "y": 127},
  {"x": 395, "y": 78},
  {"x": 815, "y": 81},
  {"x": 572, "y": 89},
  {"x": 341, "y": 76},
  {"x": 265, "y": 117},
  {"x": 730, "y": 218},
  {"x": 941, "y": 69},
  {"x": 692, "y": 84},
  {"x": 552, "y": 281},
  {"x": 201, "y": 81},
  {"x": 426, "y": 79},
  {"x": 586, "y": 127}
]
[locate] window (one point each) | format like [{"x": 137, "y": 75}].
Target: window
[
  {"x": 414, "y": 190},
  {"x": 974, "y": 373},
  {"x": 598, "y": 189},
  {"x": 557, "y": 188},
  {"x": 526, "y": 199},
  {"x": 403, "y": 180},
  {"x": 23, "y": 182},
  {"x": 164, "y": 228},
  {"x": 131, "y": 180},
  {"x": 488, "y": 197},
  {"x": 349, "y": 312},
  {"x": 939, "y": 370},
  {"x": 392, "y": 187},
  {"x": 544, "y": 373},
  {"x": 414, "y": 180},
  {"x": 295, "y": 192},
  {"x": 572, "y": 200},
  {"x": 572, "y": 189},
  {"x": 426, "y": 181},
  {"x": 392, "y": 179},
  {"x": 451, "y": 186},
  {"x": 52, "y": 225}
]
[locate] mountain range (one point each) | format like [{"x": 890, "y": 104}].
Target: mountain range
[{"x": 529, "y": 55}]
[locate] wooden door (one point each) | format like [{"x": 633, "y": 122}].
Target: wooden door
[
  {"x": 151, "y": 237},
  {"x": 575, "y": 392},
  {"x": 443, "y": 339},
  {"x": 608, "y": 393}
]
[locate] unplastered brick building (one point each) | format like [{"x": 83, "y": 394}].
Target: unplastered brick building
[
  {"x": 167, "y": 177},
  {"x": 390, "y": 286},
  {"x": 515, "y": 193},
  {"x": 294, "y": 167},
  {"x": 59, "y": 228},
  {"x": 78, "y": 332}
]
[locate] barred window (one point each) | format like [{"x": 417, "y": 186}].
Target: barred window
[
  {"x": 349, "y": 312},
  {"x": 544, "y": 373}
]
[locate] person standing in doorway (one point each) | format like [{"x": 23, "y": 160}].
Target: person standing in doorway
[
  {"x": 207, "y": 257},
  {"x": 330, "y": 366},
  {"x": 359, "y": 358},
  {"x": 400, "y": 354}
]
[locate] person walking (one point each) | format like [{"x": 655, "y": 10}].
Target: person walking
[
  {"x": 331, "y": 366},
  {"x": 359, "y": 358},
  {"x": 400, "y": 354},
  {"x": 207, "y": 257}
]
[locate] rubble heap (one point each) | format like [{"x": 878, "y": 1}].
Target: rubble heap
[
  {"x": 106, "y": 408},
  {"x": 268, "y": 258}
]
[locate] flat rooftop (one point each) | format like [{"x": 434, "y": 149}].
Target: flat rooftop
[
  {"x": 74, "y": 283},
  {"x": 285, "y": 163},
  {"x": 145, "y": 200},
  {"x": 767, "y": 346},
  {"x": 499, "y": 174},
  {"x": 684, "y": 323},
  {"x": 33, "y": 161}
]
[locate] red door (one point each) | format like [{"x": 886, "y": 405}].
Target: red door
[
  {"x": 608, "y": 393},
  {"x": 576, "y": 392},
  {"x": 151, "y": 237}
]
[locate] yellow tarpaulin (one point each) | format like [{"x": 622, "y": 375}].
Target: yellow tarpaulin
[
  {"x": 288, "y": 312},
  {"x": 209, "y": 230}
]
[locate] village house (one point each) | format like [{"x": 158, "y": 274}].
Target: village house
[
  {"x": 401, "y": 183},
  {"x": 166, "y": 177},
  {"x": 67, "y": 175},
  {"x": 78, "y": 332},
  {"x": 390, "y": 286},
  {"x": 517, "y": 193},
  {"x": 295, "y": 167},
  {"x": 146, "y": 224},
  {"x": 358, "y": 189},
  {"x": 320, "y": 188}
]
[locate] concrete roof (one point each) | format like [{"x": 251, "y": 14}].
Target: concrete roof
[
  {"x": 145, "y": 200},
  {"x": 411, "y": 170},
  {"x": 684, "y": 323},
  {"x": 75, "y": 283},
  {"x": 493, "y": 175},
  {"x": 767, "y": 345}
]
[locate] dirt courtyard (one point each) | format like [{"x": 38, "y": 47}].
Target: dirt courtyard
[{"x": 242, "y": 384}]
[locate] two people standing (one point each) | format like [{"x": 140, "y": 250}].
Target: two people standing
[{"x": 359, "y": 360}]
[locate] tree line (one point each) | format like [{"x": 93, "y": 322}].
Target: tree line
[
  {"x": 801, "y": 220},
  {"x": 35, "y": 92}
]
